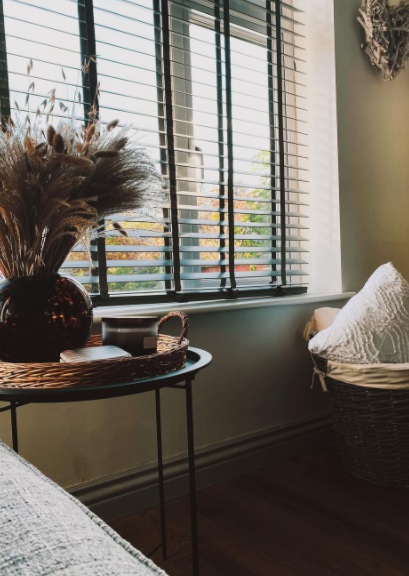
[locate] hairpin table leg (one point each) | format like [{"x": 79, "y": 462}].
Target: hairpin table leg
[
  {"x": 160, "y": 474},
  {"x": 13, "y": 416},
  {"x": 192, "y": 477}
]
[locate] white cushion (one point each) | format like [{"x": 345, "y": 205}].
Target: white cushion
[{"x": 373, "y": 327}]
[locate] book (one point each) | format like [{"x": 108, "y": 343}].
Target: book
[{"x": 89, "y": 354}]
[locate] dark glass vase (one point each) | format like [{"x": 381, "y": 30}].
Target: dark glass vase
[{"x": 42, "y": 316}]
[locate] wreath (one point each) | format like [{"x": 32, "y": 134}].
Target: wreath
[{"x": 387, "y": 35}]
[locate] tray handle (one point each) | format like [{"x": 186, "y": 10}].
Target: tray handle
[{"x": 183, "y": 318}]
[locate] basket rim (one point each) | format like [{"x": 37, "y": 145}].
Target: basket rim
[{"x": 385, "y": 376}]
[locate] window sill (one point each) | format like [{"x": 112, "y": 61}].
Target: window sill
[{"x": 217, "y": 305}]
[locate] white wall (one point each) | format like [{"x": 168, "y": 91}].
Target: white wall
[{"x": 324, "y": 233}]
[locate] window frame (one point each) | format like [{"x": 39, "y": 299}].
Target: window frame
[{"x": 166, "y": 98}]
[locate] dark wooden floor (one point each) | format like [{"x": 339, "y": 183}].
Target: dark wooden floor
[{"x": 302, "y": 517}]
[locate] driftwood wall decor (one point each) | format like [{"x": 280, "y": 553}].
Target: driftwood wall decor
[{"x": 387, "y": 35}]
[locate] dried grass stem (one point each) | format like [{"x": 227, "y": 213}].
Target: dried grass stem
[{"x": 55, "y": 187}]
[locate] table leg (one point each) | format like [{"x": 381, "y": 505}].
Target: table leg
[
  {"x": 192, "y": 478},
  {"x": 160, "y": 474},
  {"x": 13, "y": 416}
]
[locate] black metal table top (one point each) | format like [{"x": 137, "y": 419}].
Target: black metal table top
[{"x": 196, "y": 359}]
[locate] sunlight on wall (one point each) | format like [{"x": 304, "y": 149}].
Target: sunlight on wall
[{"x": 324, "y": 234}]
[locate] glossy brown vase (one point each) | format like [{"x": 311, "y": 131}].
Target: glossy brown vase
[{"x": 42, "y": 316}]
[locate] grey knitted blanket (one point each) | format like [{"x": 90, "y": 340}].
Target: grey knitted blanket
[{"x": 44, "y": 531}]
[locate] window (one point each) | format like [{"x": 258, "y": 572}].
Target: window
[{"x": 216, "y": 90}]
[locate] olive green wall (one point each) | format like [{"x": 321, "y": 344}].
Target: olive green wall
[
  {"x": 259, "y": 379},
  {"x": 260, "y": 376},
  {"x": 373, "y": 147}
]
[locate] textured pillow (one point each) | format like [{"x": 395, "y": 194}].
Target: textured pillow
[
  {"x": 373, "y": 327},
  {"x": 44, "y": 531}
]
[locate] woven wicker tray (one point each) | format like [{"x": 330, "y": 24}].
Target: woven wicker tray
[{"x": 171, "y": 355}]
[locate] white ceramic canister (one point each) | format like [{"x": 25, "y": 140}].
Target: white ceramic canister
[{"x": 138, "y": 335}]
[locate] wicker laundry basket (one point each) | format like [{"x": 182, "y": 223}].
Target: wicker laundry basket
[{"x": 370, "y": 415}]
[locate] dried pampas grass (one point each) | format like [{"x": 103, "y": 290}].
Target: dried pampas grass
[{"x": 56, "y": 185}]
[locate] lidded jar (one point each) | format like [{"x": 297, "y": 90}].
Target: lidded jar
[{"x": 138, "y": 335}]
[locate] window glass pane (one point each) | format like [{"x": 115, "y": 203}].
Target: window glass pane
[
  {"x": 251, "y": 143},
  {"x": 45, "y": 77},
  {"x": 201, "y": 244},
  {"x": 252, "y": 170},
  {"x": 126, "y": 64},
  {"x": 50, "y": 39}
]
